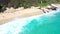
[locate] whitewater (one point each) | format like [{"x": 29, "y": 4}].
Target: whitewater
[{"x": 47, "y": 23}]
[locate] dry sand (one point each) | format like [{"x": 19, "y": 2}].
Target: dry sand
[
  {"x": 12, "y": 13},
  {"x": 20, "y": 12}
]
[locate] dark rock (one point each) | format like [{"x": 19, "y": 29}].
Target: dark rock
[{"x": 2, "y": 9}]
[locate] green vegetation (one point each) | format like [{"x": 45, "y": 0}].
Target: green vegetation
[
  {"x": 26, "y": 3},
  {"x": 42, "y": 4}
]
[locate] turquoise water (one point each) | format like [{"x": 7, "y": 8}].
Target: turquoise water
[
  {"x": 45, "y": 24},
  {"x": 41, "y": 24}
]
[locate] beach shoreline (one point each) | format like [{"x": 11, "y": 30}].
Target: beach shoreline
[{"x": 23, "y": 13}]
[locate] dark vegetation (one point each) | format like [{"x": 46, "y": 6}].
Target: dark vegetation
[{"x": 24, "y": 3}]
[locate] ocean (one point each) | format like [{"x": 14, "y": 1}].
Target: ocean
[{"x": 48, "y": 23}]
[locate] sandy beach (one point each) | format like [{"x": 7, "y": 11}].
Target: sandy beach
[
  {"x": 20, "y": 12},
  {"x": 11, "y": 13}
]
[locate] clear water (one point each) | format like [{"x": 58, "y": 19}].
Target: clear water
[{"x": 46, "y": 24}]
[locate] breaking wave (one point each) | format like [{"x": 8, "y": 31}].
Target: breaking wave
[{"x": 48, "y": 23}]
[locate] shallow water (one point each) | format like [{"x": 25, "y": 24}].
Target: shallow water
[{"x": 46, "y": 24}]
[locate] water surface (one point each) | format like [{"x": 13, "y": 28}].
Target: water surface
[{"x": 46, "y": 24}]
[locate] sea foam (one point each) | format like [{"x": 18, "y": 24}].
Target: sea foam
[{"x": 16, "y": 25}]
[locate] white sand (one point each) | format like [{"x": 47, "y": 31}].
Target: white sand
[
  {"x": 20, "y": 12},
  {"x": 12, "y": 13}
]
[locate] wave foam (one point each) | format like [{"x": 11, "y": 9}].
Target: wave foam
[{"x": 16, "y": 25}]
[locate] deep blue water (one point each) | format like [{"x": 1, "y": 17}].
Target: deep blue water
[{"x": 46, "y": 24}]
